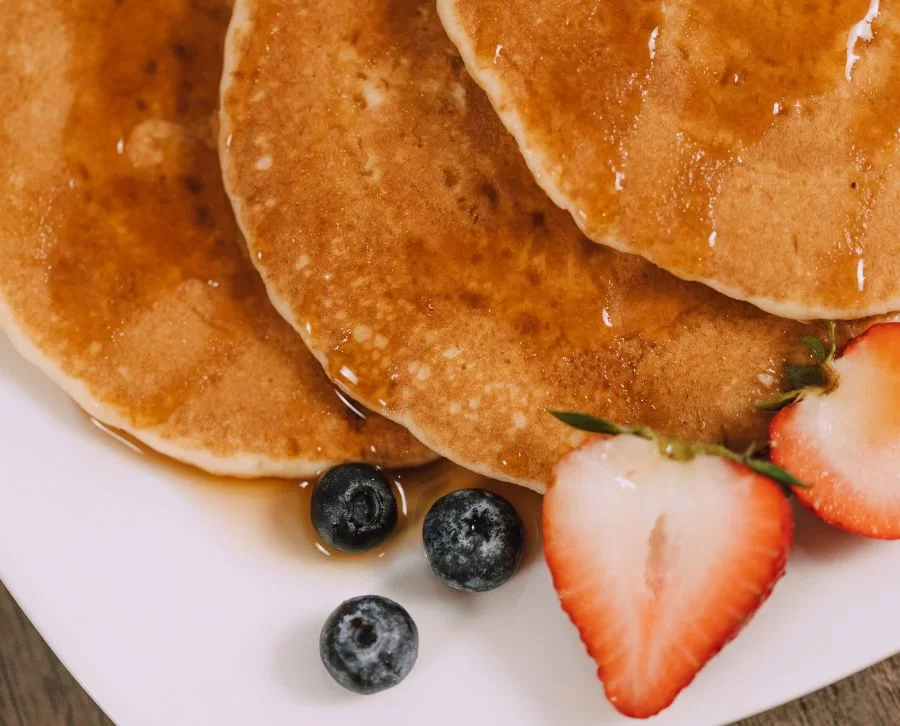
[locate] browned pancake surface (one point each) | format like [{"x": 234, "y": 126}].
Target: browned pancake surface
[
  {"x": 397, "y": 226},
  {"x": 751, "y": 145},
  {"x": 122, "y": 276}
]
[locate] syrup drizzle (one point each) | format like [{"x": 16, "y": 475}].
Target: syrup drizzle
[{"x": 416, "y": 491}]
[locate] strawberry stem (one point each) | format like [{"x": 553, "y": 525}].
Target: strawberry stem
[
  {"x": 677, "y": 449},
  {"x": 816, "y": 378},
  {"x": 831, "y": 329}
]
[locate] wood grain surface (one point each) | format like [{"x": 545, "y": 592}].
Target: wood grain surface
[{"x": 36, "y": 690}]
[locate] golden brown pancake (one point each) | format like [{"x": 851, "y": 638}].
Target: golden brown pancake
[
  {"x": 122, "y": 276},
  {"x": 749, "y": 145},
  {"x": 397, "y": 227}
]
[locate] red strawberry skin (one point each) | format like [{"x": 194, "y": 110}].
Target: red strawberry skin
[
  {"x": 655, "y": 583},
  {"x": 846, "y": 444}
]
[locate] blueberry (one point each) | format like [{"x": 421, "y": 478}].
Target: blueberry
[
  {"x": 353, "y": 507},
  {"x": 474, "y": 539},
  {"x": 369, "y": 644}
]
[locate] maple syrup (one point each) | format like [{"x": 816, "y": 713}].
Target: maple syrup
[{"x": 287, "y": 501}]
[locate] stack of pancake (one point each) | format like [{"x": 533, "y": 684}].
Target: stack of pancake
[{"x": 394, "y": 246}]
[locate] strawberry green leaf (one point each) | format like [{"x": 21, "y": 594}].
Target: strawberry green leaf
[
  {"x": 779, "y": 402},
  {"x": 804, "y": 376},
  {"x": 592, "y": 424},
  {"x": 816, "y": 347},
  {"x": 681, "y": 450},
  {"x": 776, "y": 473}
]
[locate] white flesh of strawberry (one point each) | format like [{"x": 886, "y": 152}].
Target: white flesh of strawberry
[
  {"x": 661, "y": 543},
  {"x": 855, "y": 429}
]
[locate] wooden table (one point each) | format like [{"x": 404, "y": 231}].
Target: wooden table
[{"x": 36, "y": 690}]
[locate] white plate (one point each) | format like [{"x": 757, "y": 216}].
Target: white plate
[{"x": 181, "y": 604}]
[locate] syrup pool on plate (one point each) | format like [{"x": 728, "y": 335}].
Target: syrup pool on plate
[{"x": 279, "y": 509}]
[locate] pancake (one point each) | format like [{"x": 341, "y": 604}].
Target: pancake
[
  {"x": 748, "y": 145},
  {"x": 398, "y": 229},
  {"x": 122, "y": 274}
]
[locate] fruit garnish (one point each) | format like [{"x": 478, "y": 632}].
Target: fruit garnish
[
  {"x": 843, "y": 436},
  {"x": 369, "y": 644},
  {"x": 474, "y": 539},
  {"x": 353, "y": 507},
  {"x": 660, "y": 554}
]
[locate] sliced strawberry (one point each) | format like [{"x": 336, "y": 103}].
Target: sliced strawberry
[
  {"x": 846, "y": 443},
  {"x": 659, "y": 562}
]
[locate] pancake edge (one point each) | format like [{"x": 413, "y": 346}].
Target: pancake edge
[
  {"x": 537, "y": 163},
  {"x": 244, "y": 466},
  {"x": 239, "y": 28}
]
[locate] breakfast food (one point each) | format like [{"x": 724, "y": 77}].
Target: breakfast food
[
  {"x": 398, "y": 229},
  {"x": 474, "y": 540},
  {"x": 659, "y": 561},
  {"x": 749, "y": 145},
  {"x": 353, "y": 507},
  {"x": 123, "y": 275},
  {"x": 400, "y": 233},
  {"x": 369, "y": 644},
  {"x": 840, "y": 433}
]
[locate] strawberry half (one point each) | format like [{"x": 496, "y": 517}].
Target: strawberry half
[
  {"x": 659, "y": 561},
  {"x": 843, "y": 439}
]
